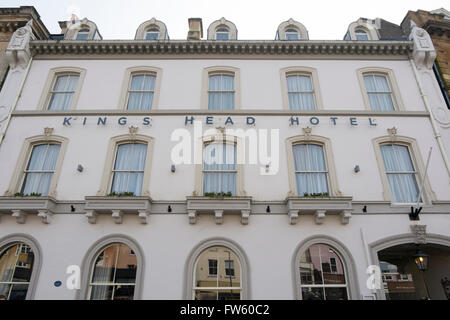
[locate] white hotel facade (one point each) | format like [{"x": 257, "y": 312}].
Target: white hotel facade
[{"x": 90, "y": 133}]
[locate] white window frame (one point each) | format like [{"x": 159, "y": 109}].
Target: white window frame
[
  {"x": 83, "y": 31},
  {"x": 44, "y": 101},
  {"x": 301, "y": 71},
  {"x": 129, "y": 91},
  {"x": 152, "y": 30},
  {"x": 392, "y": 82},
  {"x": 217, "y": 70},
  {"x": 291, "y": 31}
]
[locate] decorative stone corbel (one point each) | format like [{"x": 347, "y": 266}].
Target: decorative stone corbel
[
  {"x": 307, "y": 132},
  {"x": 420, "y": 233},
  {"x": 20, "y": 215},
  {"x": 143, "y": 216},
  {"x": 45, "y": 216},
  {"x": 319, "y": 216},
  {"x": 18, "y": 51},
  {"x": 133, "y": 130},
  {"x": 345, "y": 216},
  {"x": 48, "y": 132},
  {"x": 392, "y": 133},
  {"x": 92, "y": 216},
  {"x": 293, "y": 216},
  {"x": 219, "y": 216},
  {"x": 117, "y": 216},
  {"x": 245, "y": 214},
  {"x": 192, "y": 215},
  {"x": 424, "y": 53}
]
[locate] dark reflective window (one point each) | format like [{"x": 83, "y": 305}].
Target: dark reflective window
[
  {"x": 322, "y": 274},
  {"x": 16, "y": 267},
  {"x": 114, "y": 274}
]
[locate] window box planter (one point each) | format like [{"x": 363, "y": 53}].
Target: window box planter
[
  {"x": 117, "y": 206},
  {"x": 21, "y": 206},
  {"x": 218, "y": 206},
  {"x": 319, "y": 207}
]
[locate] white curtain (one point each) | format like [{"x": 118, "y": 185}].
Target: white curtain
[
  {"x": 300, "y": 93},
  {"x": 129, "y": 168},
  {"x": 40, "y": 169},
  {"x": 221, "y": 92},
  {"x": 141, "y": 92},
  {"x": 219, "y": 157},
  {"x": 63, "y": 92},
  {"x": 379, "y": 93},
  {"x": 310, "y": 169},
  {"x": 103, "y": 273},
  {"x": 400, "y": 173}
]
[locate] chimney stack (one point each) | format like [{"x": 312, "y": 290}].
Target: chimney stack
[{"x": 195, "y": 29}]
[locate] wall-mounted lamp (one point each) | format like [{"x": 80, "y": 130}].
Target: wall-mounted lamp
[
  {"x": 357, "y": 169},
  {"x": 172, "y": 168},
  {"x": 80, "y": 168}
]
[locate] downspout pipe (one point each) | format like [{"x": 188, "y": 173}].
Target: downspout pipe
[
  {"x": 434, "y": 125},
  {"x": 19, "y": 94}
]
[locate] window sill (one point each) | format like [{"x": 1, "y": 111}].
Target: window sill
[
  {"x": 319, "y": 207},
  {"x": 20, "y": 207},
  {"x": 117, "y": 207},
  {"x": 218, "y": 206}
]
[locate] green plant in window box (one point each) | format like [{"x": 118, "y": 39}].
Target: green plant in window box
[
  {"x": 218, "y": 194},
  {"x": 121, "y": 194},
  {"x": 316, "y": 195},
  {"x": 32, "y": 194}
]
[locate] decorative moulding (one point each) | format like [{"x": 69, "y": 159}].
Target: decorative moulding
[
  {"x": 420, "y": 233},
  {"x": 218, "y": 206},
  {"x": 228, "y": 47},
  {"x": 21, "y": 207},
  {"x": 117, "y": 207},
  {"x": 319, "y": 207}
]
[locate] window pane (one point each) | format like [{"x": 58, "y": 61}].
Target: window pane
[
  {"x": 336, "y": 293},
  {"x": 312, "y": 294},
  {"x": 101, "y": 292},
  {"x": 361, "y": 35},
  {"x": 151, "y": 35},
  {"x": 221, "y": 92},
  {"x": 292, "y": 36},
  {"x": 300, "y": 92},
  {"x": 104, "y": 266},
  {"x": 379, "y": 92},
  {"x": 229, "y": 294},
  {"x": 60, "y": 101}
]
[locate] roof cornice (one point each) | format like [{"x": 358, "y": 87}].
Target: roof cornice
[{"x": 239, "y": 47}]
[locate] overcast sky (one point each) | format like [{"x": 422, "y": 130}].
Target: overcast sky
[{"x": 255, "y": 19}]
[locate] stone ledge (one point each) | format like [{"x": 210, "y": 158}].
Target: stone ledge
[
  {"x": 219, "y": 206},
  {"x": 117, "y": 207},
  {"x": 20, "y": 207}
]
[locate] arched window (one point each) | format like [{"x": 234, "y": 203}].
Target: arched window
[
  {"x": 129, "y": 167},
  {"x": 300, "y": 92},
  {"x": 152, "y": 34},
  {"x": 63, "y": 90},
  {"x": 113, "y": 274},
  {"x": 311, "y": 173},
  {"x": 141, "y": 91},
  {"x": 361, "y": 34},
  {"x": 322, "y": 274},
  {"x": 16, "y": 268},
  {"x": 219, "y": 168},
  {"x": 378, "y": 91},
  {"x": 41, "y": 166},
  {"x": 222, "y": 34},
  {"x": 221, "y": 91},
  {"x": 217, "y": 275},
  {"x": 291, "y": 34},
  {"x": 400, "y": 173},
  {"x": 83, "y": 34}
]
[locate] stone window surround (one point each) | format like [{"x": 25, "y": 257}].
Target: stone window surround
[
  {"x": 129, "y": 73},
  {"x": 199, "y": 249},
  {"x": 18, "y": 175},
  {"x": 329, "y": 160},
  {"x": 227, "y": 70},
  {"x": 152, "y": 23},
  {"x": 12, "y": 239},
  {"x": 428, "y": 194},
  {"x": 87, "y": 266},
  {"x": 105, "y": 185},
  {"x": 238, "y": 142},
  {"x": 50, "y": 82},
  {"x": 343, "y": 253},
  {"x": 71, "y": 33},
  {"x": 222, "y": 23},
  {"x": 390, "y": 77},
  {"x": 371, "y": 31},
  {"x": 292, "y": 24},
  {"x": 307, "y": 71}
]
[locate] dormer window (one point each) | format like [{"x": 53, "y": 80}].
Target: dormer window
[
  {"x": 292, "y": 34},
  {"x": 83, "y": 34},
  {"x": 361, "y": 35},
  {"x": 222, "y": 34},
  {"x": 152, "y": 34}
]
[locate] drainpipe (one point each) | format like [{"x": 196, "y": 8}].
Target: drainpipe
[
  {"x": 434, "y": 125},
  {"x": 19, "y": 94}
]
